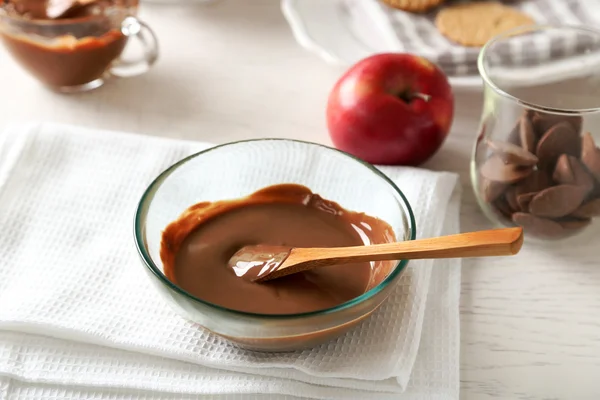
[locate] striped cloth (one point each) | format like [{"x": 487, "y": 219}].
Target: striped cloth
[{"x": 416, "y": 33}]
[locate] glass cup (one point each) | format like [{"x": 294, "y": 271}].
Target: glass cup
[
  {"x": 535, "y": 162},
  {"x": 81, "y": 51}
]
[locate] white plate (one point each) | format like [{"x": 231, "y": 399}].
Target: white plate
[{"x": 323, "y": 28}]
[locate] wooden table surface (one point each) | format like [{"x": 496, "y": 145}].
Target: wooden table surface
[{"x": 530, "y": 326}]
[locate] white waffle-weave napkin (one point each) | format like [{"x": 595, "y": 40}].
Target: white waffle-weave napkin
[
  {"x": 417, "y": 34},
  {"x": 78, "y": 318}
]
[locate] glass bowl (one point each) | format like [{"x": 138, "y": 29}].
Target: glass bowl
[
  {"x": 238, "y": 169},
  {"x": 535, "y": 162}
]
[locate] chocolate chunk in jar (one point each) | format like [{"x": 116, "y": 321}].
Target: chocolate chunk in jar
[
  {"x": 590, "y": 155},
  {"x": 524, "y": 200},
  {"x": 495, "y": 169},
  {"x": 563, "y": 172},
  {"x": 196, "y": 249},
  {"x": 557, "y": 201},
  {"x": 560, "y": 139},
  {"x": 492, "y": 190},
  {"x": 512, "y": 154},
  {"x": 527, "y": 135},
  {"x": 542, "y": 122},
  {"x": 514, "y": 137},
  {"x": 574, "y": 224},
  {"x": 595, "y": 193},
  {"x": 537, "y": 181},
  {"x": 590, "y": 209},
  {"x": 570, "y": 171},
  {"x": 511, "y": 199},
  {"x": 501, "y": 207},
  {"x": 537, "y": 226}
]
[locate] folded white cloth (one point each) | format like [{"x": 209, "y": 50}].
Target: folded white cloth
[{"x": 79, "y": 319}]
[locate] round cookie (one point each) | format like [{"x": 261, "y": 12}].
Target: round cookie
[
  {"x": 474, "y": 24},
  {"x": 416, "y": 6}
]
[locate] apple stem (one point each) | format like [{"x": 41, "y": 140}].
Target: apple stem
[
  {"x": 422, "y": 96},
  {"x": 409, "y": 96}
]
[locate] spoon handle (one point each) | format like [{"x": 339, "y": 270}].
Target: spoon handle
[{"x": 494, "y": 242}]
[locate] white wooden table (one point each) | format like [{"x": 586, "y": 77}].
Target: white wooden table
[{"x": 530, "y": 325}]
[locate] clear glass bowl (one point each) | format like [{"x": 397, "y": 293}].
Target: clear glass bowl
[
  {"x": 237, "y": 169},
  {"x": 534, "y": 162}
]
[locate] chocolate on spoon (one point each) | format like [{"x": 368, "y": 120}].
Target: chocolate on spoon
[{"x": 263, "y": 262}]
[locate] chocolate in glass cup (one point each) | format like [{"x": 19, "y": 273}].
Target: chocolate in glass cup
[
  {"x": 536, "y": 161},
  {"x": 223, "y": 175},
  {"x": 79, "y": 46}
]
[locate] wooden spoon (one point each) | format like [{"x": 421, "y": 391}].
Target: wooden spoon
[{"x": 263, "y": 262}]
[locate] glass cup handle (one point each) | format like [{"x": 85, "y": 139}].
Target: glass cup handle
[{"x": 133, "y": 28}]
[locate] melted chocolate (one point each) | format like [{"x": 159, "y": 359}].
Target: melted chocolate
[
  {"x": 76, "y": 62},
  {"x": 196, "y": 248}
]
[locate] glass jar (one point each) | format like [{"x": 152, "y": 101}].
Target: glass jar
[{"x": 536, "y": 161}]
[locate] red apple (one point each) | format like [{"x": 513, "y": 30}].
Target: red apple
[{"x": 392, "y": 108}]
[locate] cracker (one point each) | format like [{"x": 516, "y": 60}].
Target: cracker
[
  {"x": 416, "y": 6},
  {"x": 473, "y": 24}
]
